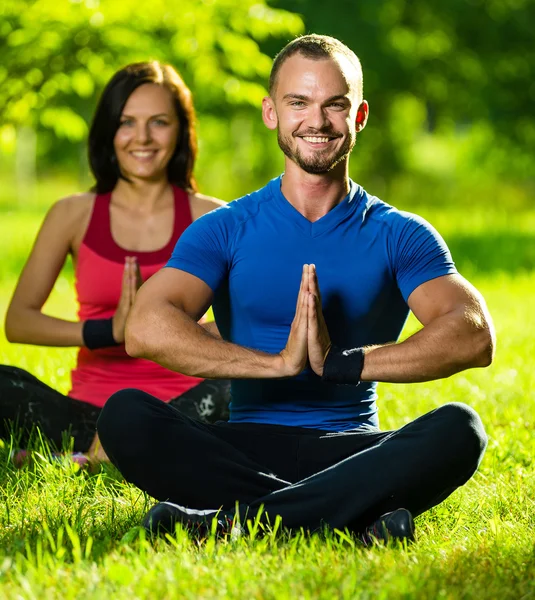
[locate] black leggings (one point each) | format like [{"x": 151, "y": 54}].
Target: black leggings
[{"x": 27, "y": 402}]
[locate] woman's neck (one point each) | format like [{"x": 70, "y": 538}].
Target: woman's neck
[{"x": 144, "y": 195}]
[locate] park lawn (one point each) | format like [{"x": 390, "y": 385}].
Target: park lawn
[{"x": 66, "y": 534}]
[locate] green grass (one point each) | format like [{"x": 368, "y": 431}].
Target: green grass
[{"x": 67, "y": 534}]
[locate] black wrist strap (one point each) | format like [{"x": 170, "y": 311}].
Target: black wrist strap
[
  {"x": 98, "y": 333},
  {"x": 343, "y": 366}
]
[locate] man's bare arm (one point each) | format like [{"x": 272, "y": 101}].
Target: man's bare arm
[
  {"x": 210, "y": 327},
  {"x": 458, "y": 334},
  {"x": 162, "y": 326}
]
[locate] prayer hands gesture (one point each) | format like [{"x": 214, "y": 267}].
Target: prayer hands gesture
[
  {"x": 309, "y": 339},
  {"x": 131, "y": 283}
]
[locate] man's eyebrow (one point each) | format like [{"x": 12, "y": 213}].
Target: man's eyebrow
[
  {"x": 295, "y": 97},
  {"x": 303, "y": 97}
]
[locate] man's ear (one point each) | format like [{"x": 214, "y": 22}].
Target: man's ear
[
  {"x": 269, "y": 114},
  {"x": 362, "y": 115}
]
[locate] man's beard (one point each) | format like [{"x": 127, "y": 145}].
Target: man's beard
[{"x": 322, "y": 161}]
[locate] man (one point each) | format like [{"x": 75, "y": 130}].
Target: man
[{"x": 303, "y": 439}]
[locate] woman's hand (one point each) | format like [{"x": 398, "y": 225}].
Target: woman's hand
[{"x": 131, "y": 283}]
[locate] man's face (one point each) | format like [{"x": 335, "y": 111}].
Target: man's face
[{"x": 316, "y": 112}]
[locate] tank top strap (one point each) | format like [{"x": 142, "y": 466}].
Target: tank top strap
[
  {"x": 99, "y": 238},
  {"x": 183, "y": 216},
  {"x": 98, "y": 235}
]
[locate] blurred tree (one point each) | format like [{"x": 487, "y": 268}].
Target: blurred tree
[
  {"x": 58, "y": 54},
  {"x": 451, "y": 84},
  {"x": 440, "y": 66}
]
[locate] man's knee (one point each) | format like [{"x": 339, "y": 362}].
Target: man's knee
[
  {"x": 465, "y": 431},
  {"x": 120, "y": 416}
]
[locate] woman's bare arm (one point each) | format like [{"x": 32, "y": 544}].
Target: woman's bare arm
[{"x": 25, "y": 322}]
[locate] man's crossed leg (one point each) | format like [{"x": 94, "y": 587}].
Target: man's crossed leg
[{"x": 310, "y": 478}]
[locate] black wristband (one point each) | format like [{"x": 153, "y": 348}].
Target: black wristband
[
  {"x": 98, "y": 333},
  {"x": 343, "y": 366}
]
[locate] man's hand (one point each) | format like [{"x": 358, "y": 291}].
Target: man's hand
[
  {"x": 318, "y": 339},
  {"x": 294, "y": 355},
  {"x": 131, "y": 283}
]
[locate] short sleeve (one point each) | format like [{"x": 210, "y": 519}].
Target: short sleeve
[
  {"x": 419, "y": 253},
  {"x": 203, "y": 249}
]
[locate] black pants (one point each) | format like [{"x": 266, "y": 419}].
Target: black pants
[
  {"x": 308, "y": 477},
  {"x": 27, "y": 402}
]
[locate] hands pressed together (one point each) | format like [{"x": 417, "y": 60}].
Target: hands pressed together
[
  {"x": 131, "y": 283},
  {"x": 309, "y": 340}
]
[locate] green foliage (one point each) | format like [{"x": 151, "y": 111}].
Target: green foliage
[
  {"x": 441, "y": 67},
  {"x": 449, "y": 84},
  {"x": 58, "y": 54}
]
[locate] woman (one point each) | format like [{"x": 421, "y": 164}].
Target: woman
[{"x": 142, "y": 149}]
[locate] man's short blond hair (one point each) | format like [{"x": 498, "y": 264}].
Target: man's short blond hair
[{"x": 318, "y": 47}]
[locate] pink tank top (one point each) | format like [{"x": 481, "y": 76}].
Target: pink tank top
[{"x": 98, "y": 277}]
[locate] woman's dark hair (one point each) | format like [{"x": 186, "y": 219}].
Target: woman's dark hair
[{"x": 106, "y": 121}]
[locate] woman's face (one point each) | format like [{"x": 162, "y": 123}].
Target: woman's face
[{"x": 147, "y": 134}]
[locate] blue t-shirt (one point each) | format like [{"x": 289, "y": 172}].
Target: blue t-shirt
[{"x": 369, "y": 258}]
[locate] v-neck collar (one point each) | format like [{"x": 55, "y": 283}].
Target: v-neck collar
[{"x": 329, "y": 221}]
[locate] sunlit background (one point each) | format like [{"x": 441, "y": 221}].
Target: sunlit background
[{"x": 451, "y": 87}]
